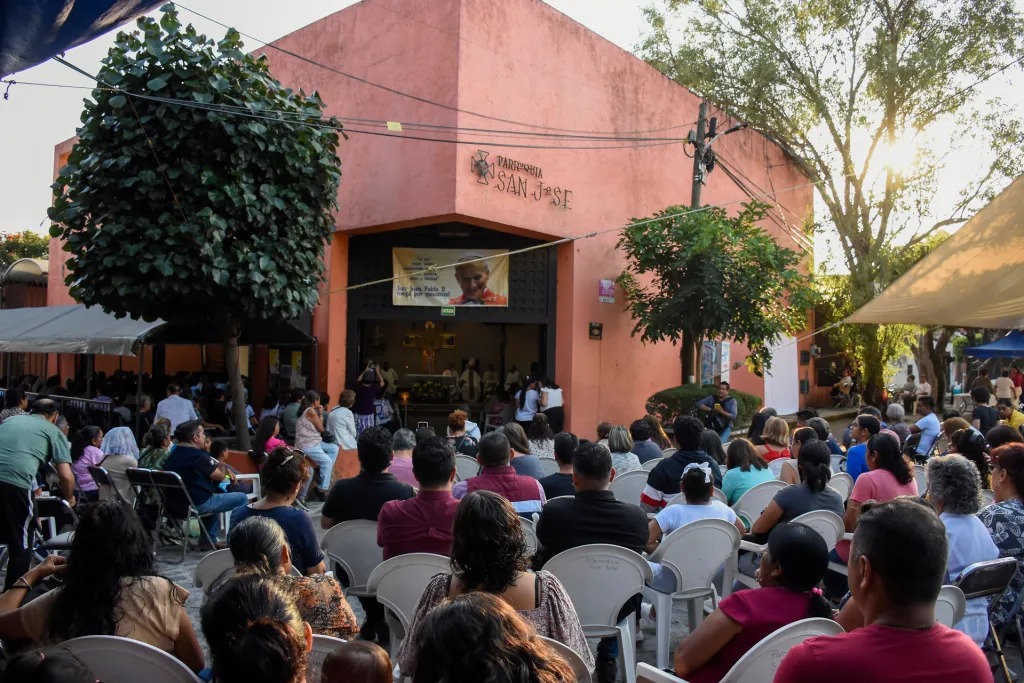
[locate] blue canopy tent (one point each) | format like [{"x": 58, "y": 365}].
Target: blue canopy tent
[
  {"x": 32, "y": 31},
  {"x": 1010, "y": 346}
]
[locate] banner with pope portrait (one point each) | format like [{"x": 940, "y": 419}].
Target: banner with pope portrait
[{"x": 479, "y": 277}]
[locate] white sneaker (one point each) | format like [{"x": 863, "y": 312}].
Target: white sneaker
[{"x": 646, "y": 618}]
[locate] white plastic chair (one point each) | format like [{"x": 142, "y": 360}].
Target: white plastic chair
[
  {"x": 322, "y": 646},
  {"x": 113, "y": 659},
  {"x": 842, "y": 483},
  {"x": 719, "y": 495},
  {"x": 600, "y": 579},
  {"x": 838, "y": 463},
  {"x": 628, "y": 487},
  {"x": 353, "y": 546},
  {"x": 921, "y": 476},
  {"x": 576, "y": 663},
  {"x": 988, "y": 496},
  {"x": 775, "y": 466},
  {"x": 466, "y": 466},
  {"x": 651, "y": 464},
  {"x": 398, "y": 584},
  {"x": 761, "y": 661},
  {"x": 829, "y": 525},
  {"x": 549, "y": 465},
  {"x": 752, "y": 503},
  {"x": 530, "y": 532},
  {"x": 693, "y": 553},
  {"x": 950, "y": 606},
  {"x": 559, "y": 498},
  {"x": 667, "y": 452},
  {"x": 215, "y": 567}
]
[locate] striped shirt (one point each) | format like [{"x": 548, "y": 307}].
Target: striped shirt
[{"x": 525, "y": 493}]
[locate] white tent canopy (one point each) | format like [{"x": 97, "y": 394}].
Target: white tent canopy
[
  {"x": 71, "y": 329},
  {"x": 973, "y": 279}
]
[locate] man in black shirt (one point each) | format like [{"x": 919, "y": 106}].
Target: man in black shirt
[
  {"x": 663, "y": 481},
  {"x": 560, "y": 483},
  {"x": 593, "y": 516},
  {"x": 362, "y": 497}
]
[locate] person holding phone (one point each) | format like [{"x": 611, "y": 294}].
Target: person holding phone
[{"x": 719, "y": 411}]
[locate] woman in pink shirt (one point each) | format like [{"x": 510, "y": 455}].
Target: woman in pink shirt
[
  {"x": 889, "y": 475},
  {"x": 85, "y": 453},
  {"x": 267, "y": 439}
]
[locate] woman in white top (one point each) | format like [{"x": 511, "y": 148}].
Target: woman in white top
[
  {"x": 554, "y": 404},
  {"x": 698, "y": 487},
  {"x": 342, "y": 422},
  {"x": 620, "y": 443},
  {"x": 529, "y": 401}
]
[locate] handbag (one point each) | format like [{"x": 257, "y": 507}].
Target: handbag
[{"x": 327, "y": 436}]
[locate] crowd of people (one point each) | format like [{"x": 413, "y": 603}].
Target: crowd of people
[{"x": 482, "y": 619}]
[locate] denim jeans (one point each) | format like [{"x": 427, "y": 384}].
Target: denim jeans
[
  {"x": 608, "y": 648},
  {"x": 324, "y": 461},
  {"x": 724, "y": 436},
  {"x": 217, "y": 503}
]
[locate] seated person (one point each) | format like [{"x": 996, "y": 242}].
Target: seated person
[
  {"x": 422, "y": 524},
  {"x": 746, "y": 469},
  {"x": 489, "y": 554},
  {"x": 53, "y": 665},
  {"x": 698, "y": 489},
  {"x": 788, "y": 468},
  {"x": 259, "y": 544},
  {"x": 954, "y": 488},
  {"x": 1009, "y": 414},
  {"x": 620, "y": 444},
  {"x": 478, "y": 637},
  {"x": 283, "y": 474},
  {"x": 862, "y": 428},
  {"x": 523, "y": 460},
  {"x": 357, "y": 662},
  {"x": 255, "y": 631},
  {"x": 663, "y": 481},
  {"x": 644, "y": 446},
  {"x": 202, "y": 475},
  {"x": 498, "y": 475},
  {"x": 86, "y": 453},
  {"x": 775, "y": 440},
  {"x": 1004, "y": 520},
  {"x": 560, "y": 483},
  {"x": 812, "y": 493},
  {"x": 897, "y": 566},
  {"x": 789, "y": 573},
  {"x": 110, "y": 588}
]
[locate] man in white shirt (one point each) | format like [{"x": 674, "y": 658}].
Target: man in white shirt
[
  {"x": 928, "y": 426},
  {"x": 390, "y": 376},
  {"x": 924, "y": 388},
  {"x": 1004, "y": 386},
  {"x": 175, "y": 408}
]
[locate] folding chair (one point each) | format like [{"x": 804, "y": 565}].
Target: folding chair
[
  {"x": 351, "y": 548},
  {"x": 950, "y": 606},
  {"x": 113, "y": 659},
  {"x": 399, "y": 583},
  {"x": 176, "y": 504},
  {"x": 693, "y": 554},
  {"x": 572, "y": 658},
  {"x": 322, "y": 646},
  {"x": 549, "y": 465},
  {"x": 58, "y": 515},
  {"x": 600, "y": 579},
  {"x": 108, "y": 491},
  {"x": 628, "y": 487},
  {"x": 493, "y": 422},
  {"x": 989, "y": 580},
  {"x": 762, "y": 660},
  {"x": 752, "y": 503}
]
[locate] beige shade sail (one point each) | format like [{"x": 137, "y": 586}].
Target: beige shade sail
[{"x": 973, "y": 279}]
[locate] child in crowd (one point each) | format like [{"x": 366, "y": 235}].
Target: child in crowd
[{"x": 359, "y": 661}]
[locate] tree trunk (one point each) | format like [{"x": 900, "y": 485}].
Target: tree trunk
[
  {"x": 688, "y": 358},
  {"x": 872, "y": 372},
  {"x": 232, "y": 330},
  {"x": 937, "y": 355}
]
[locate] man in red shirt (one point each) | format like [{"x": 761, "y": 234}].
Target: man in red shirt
[
  {"x": 422, "y": 524},
  {"x": 897, "y": 565}
]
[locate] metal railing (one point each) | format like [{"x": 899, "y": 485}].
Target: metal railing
[{"x": 81, "y": 412}]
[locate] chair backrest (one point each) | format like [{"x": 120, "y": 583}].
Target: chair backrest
[
  {"x": 177, "y": 500},
  {"x": 829, "y": 525},
  {"x": 57, "y": 509},
  {"x": 694, "y": 553},
  {"x": 561, "y": 498},
  {"x": 549, "y": 465},
  {"x": 466, "y": 466},
  {"x": 399, "y": 582},
  {"x": 921, "y": 476},
  {"x": 530, "y": 532},
  {"x": 101, "y": 476},
  {"x": 950, "y": 606},
  {"x": 775, "y": 466},
  {"x": 353, "y": 546},
  {"x": 599, "y": 579},
  {"x": 113, "y": 659},
  {"x": 214, "y": 567},
  {"x": 720, "y": 496},
  {"x": 837, "y": 462},
  {"x": 988, "y": 496},
  {"x": 842, "y": 483},
  {"x": 322, "y": 646},
  {"x": 761, "y": 661},
  {"x": 628, "y": 487},
  {"x": 575, "y": 662},
  {"x": 752, "y": 503},
  {"x": 651, "y": 464},
  {"x": 666, "y": 452},
  {"x": 983, "y": 579}
]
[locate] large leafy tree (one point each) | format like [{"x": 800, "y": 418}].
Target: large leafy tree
[
  {"x": 706, "y": 275},
  {"x": 18, "y": 245},
  {"x": 842, "y": 85},
  {"x": 212, "y": 213}
]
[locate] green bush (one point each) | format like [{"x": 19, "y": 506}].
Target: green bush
[{"x": 668, "y": 404}]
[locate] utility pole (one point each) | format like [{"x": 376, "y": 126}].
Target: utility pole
[{"x": 698, "y": 156}]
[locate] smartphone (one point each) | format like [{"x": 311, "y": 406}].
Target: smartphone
[{"x": 422, "y": 424}]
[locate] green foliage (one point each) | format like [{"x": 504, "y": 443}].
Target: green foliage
[
  {"x": 707, "y": 275},
  {"x": 19, "y": 245},
  {"x": 668, "y": 404},
  {"x": 187, "y": 213},
  {"x": 839, "y": 85}
]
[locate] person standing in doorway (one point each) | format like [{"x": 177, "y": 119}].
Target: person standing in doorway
[{"x": 720, "y": 409}]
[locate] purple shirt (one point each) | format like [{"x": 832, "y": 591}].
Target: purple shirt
[
  {"x": 402, "y": 469},
  {"x": 418, "y": 525},
  {"x": 90, "y": 456}
]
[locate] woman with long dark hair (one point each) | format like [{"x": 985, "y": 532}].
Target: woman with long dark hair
[
  {"x": 110, "y": 588},
  {"x": 255, "y": 631},
  {"x": 787, "y": 468},
  {"x": 489, "y": 554},
  {"x": 541, "y": 437},
  {"x": 267, "y": 439},
  {"x": 529, "y": 401},
  {"x": 478, "y": 637},
  {"x": 812, "y": 493},
  {"x": 85, "y": 453},
  {"x": 971, "y": 444},
  {"x": 790, "y": 569},
  {"x": 523, "y": 460}
]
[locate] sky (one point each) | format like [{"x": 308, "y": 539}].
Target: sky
[{"x": 34, "y": 119}]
